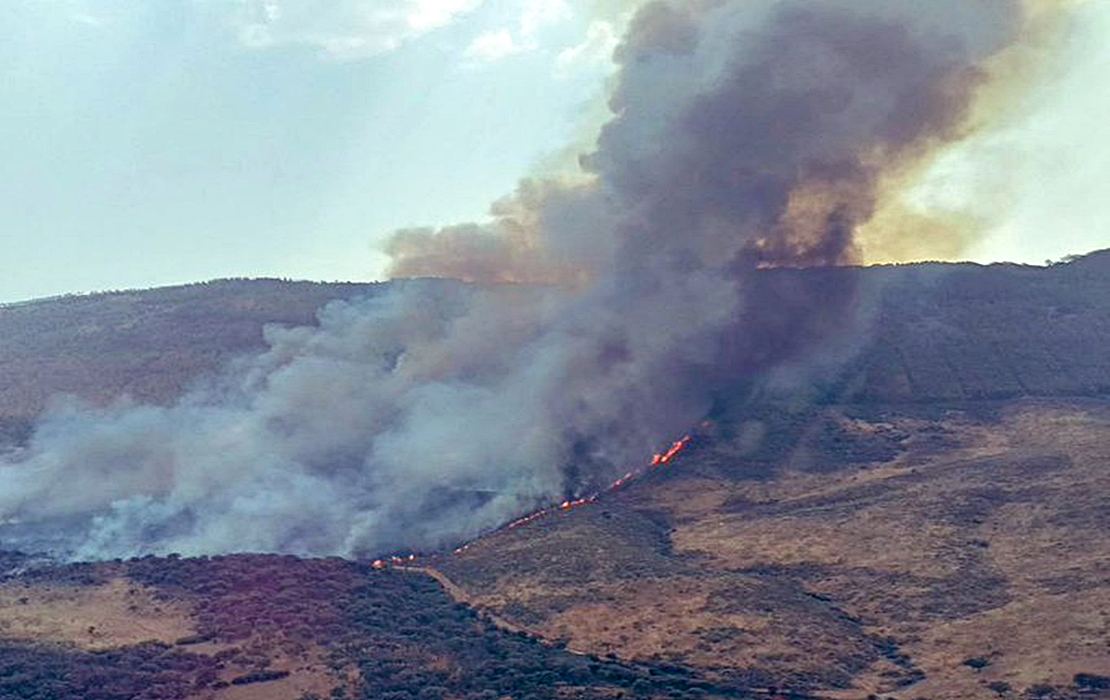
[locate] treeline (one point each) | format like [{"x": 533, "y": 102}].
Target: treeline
[
  {"x": 925, "y": 332},
  {"x": 139, "y": 672},
  {"x": 407, "y": 638},
  {"x": 383, "y": 634},
  {"x": 955, "y": 332}
]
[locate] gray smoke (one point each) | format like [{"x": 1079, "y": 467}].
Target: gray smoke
[{"x": 744, "y": 134}]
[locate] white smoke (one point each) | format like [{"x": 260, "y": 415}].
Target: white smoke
[{"x": 744, "y": 134}]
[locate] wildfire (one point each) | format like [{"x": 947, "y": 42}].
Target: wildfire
[
  {"x": 657, "y": 460},
  {"x": 394, "y": 560},
  {"x": 567, "y": 505},
  {"x": 524, "y": 520},
  {"x": 675, "y": 448}
]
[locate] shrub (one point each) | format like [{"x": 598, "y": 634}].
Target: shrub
[
  {"x": 1091, "y": 680},
  {"x": 1000, "y": 687}
]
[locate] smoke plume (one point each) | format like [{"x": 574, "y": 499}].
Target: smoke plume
[{"x": 744, "y": 134}]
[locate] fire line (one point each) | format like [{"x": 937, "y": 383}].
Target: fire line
[{"x": 658, "y": 459}]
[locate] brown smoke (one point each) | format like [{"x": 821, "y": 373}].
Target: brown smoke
[
  {"x": 899, "y": 231},
  {"x": 745, "y": 134},
  {"x": 768, "y": 132},
  {"x": 510, "y": 249}
]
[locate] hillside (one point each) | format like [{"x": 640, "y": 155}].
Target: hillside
[
  {"x": 148, "y": 344},
  {"x": 922, "y": 332},
  {"x": 944, "y": 332},
  {"x": 925, "y": 519},
  {"x": 937, "y": 552},
  {"x": 931, "y": 332},
  {"x": 250, "y": 626}
]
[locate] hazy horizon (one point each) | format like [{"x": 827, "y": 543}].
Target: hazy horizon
[
  {"x": 183, "y": 141},
  {"x": 297, "y": 280}
]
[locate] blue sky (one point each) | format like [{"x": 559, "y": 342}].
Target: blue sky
[
  {"x": 152, "y": 143},
  {"x": 180, "y": 140}
]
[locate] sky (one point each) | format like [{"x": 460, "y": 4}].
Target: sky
[{"x": 175, "y": 141}]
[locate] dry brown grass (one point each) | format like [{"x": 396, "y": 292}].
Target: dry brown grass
[
  {"x": 307, "y": 674},
  {"x": 120, "y": 612},
  {"x": 996, "y": 545},
  {"x": 114, "y": 614}
]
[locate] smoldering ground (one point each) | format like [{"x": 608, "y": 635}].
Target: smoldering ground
[{"x": 744, "y": 134}]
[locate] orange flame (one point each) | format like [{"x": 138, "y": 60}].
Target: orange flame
[
  {"x": 657, "y": 459},
  {"x": 674, "y": 449},
  {"x": 394, "y": 560}
]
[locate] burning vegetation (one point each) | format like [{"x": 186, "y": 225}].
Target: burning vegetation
[
  {"x": 657, "y": 460},
  {"x": 743, "y": 135}
]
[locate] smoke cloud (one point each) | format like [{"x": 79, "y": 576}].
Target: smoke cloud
[{"x": 745, "y": 134}]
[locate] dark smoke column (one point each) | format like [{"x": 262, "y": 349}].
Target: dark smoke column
[
  {"x": 745, "y": 135},
  {"x": 756, "y": 134}
]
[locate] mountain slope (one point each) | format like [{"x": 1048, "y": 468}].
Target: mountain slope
[
  {"x": 980, "y": 535},
  {"x": 914, "y": 506},
  {"x": 928, "y": 331},
  {"x": 148, "y": 344}
]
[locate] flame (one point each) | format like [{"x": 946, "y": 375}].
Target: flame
[
  {"x": 393, "y": 560},
  {"x": 657, "y": 460},
  {"x": 674, "y": 449},
  {"x": 567, "y": 505}
]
